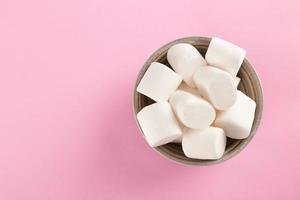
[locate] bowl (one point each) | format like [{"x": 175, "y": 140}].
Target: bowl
[{"x": 249, "y": 84}]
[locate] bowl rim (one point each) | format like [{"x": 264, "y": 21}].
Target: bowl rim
[{"x": 240, "y": 146}]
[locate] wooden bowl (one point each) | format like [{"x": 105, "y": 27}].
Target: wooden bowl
[{"x": 250, "y": 85}]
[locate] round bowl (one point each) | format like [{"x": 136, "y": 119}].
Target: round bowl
[{"x": 249, "y": 84}]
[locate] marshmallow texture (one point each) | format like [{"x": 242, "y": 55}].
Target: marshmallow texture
[
  {"x": 159, "y": 82},
  {"x": 216, "y": 86},
  {"x": 159, "y": 124},
  {"x": 184, "y": 87},
  {"x": 183, "y": 128},
  {"x": 225, "y": 55},
  {"x": 192, "y": 111},
  {"x": 209, "y": 143},
  {"x": 178, "y": 140},
  {"x": 237, "y": 120},
  {"x": 185, "y": 60}
]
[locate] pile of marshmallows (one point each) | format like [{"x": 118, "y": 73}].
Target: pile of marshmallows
[{"x": 204, "y": 108}]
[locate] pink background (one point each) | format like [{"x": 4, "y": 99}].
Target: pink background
[{"x": 67, "y": 73}]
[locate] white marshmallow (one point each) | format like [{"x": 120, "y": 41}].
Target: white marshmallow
[
  {"x": 237, "y": 81},
  {"x": 184, "y": 87},
  {"x": 178, "y": 140},
  {"x": 225, "y": 55},
  {"x": 159, "y": 124},
  {"x": 159, "y": 82},
  {"x": 237, "y": 120},
  {"x": 209, "y": 143},
  {"x": 192, "y": 111},
  {"x": 184, "y": 129},
  {"x": 185, "y": 60},
  {"x": 216, "y": 86}
]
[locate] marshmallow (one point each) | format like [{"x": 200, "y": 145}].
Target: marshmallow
[
  {"x": 237, "y": 120},
  {"x": 159, "y": 82},
  {"x": 209, "y": 143},
  {"x": 178, "y": 140},
  {"x": 192, "y": 111},
  {"x": 159, "y": 124},
  {"x": 216, "y": 86},
  {"x": 237, "y": 81},
  {"x": 185, "y": 60},
  {"x": 184, "y": 87},
  {"x": 225, "y": 55},
  {"x": 184, "y": 129}
]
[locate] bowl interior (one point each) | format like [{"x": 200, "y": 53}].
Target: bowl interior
[{"x": 249, "y": 84}]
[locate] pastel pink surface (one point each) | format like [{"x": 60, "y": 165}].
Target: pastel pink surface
[{"x": 66, "y": 122}]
